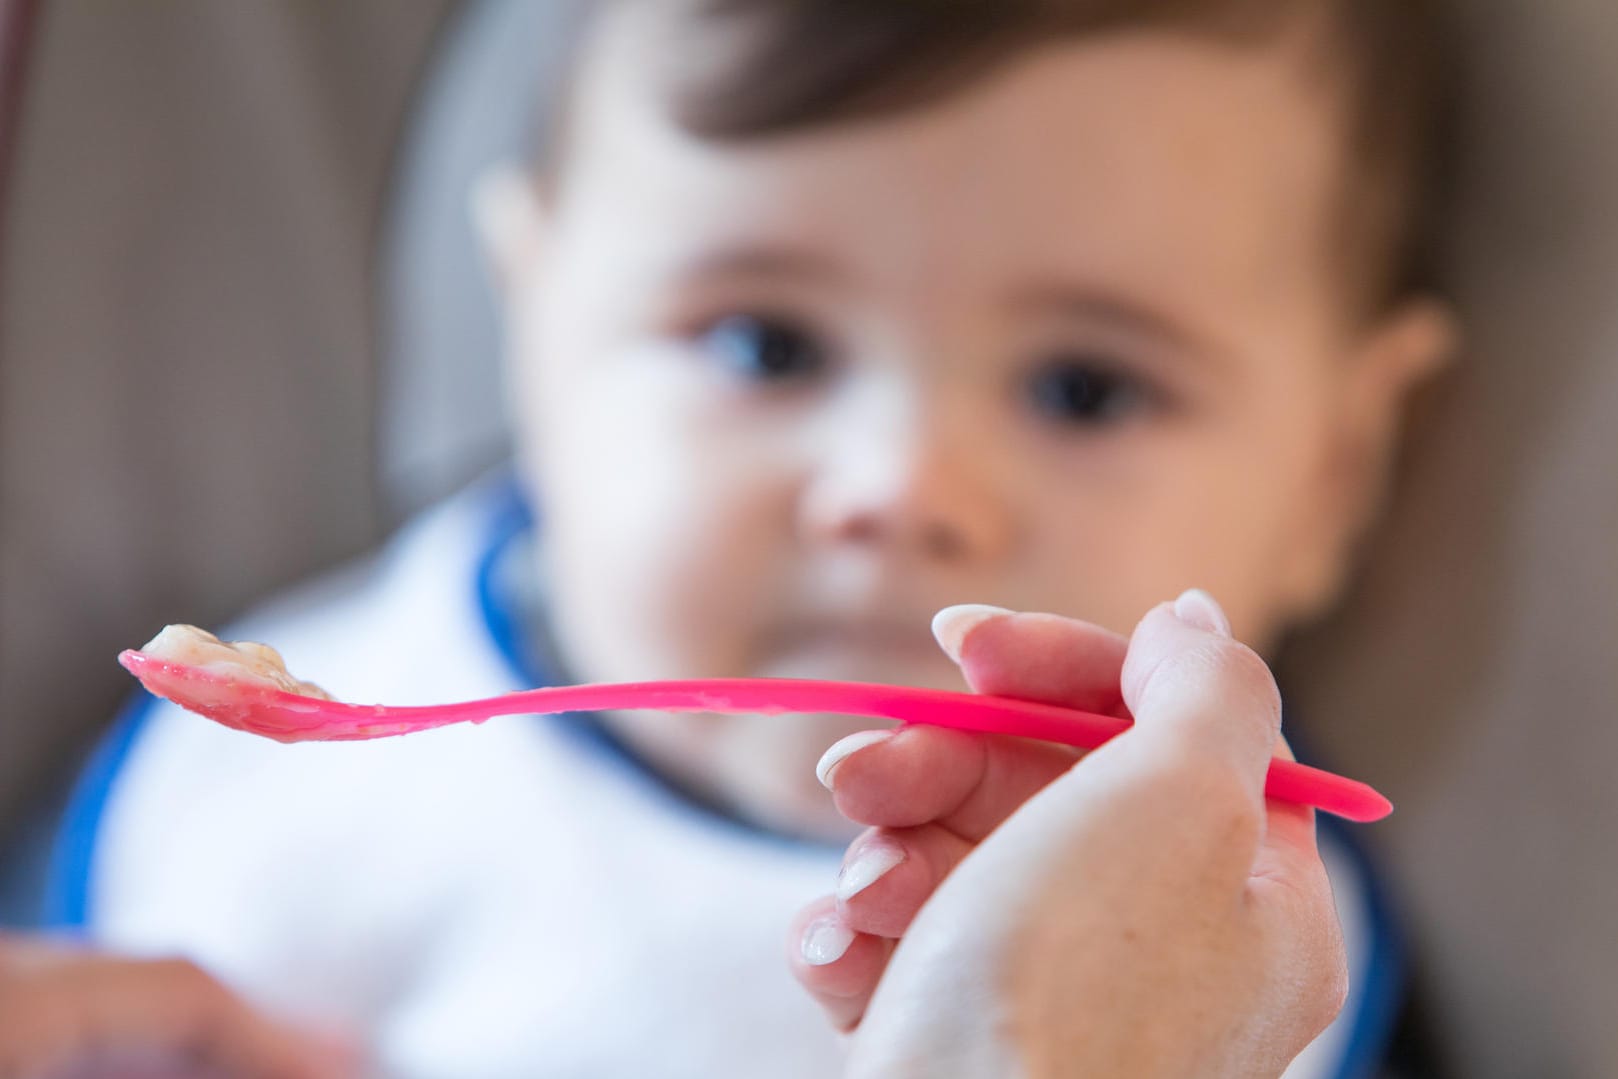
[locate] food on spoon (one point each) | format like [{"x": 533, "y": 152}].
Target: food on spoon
[{"x": 241, "y": 662}]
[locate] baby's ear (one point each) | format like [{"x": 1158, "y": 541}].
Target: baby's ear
[
  {"x": 1395, "y": 357},
  {"x": 509, "y": 222},
  {"x": 1410, "y": 345}
]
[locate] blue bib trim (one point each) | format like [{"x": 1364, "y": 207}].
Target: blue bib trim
[
  {"x": 66, "y": 903},
  {"x": 1381, "y": 993}
]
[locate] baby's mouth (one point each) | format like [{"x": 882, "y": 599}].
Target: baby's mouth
[{"x": 902, "y": 653}]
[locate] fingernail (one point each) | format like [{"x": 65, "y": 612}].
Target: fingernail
[
  {"x": 952, "y": 624},
  {"x": 866, "y": 869},
  {"x": 825, "y": 942},
  {"x": 841, "y": 749},
  {"x": 1197, "y": 608}
]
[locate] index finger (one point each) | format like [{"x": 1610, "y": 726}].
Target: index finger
[
  {"x": 1035, "y": 657},
  {"x": 1194, "y": 689},
  {"x": 969, "y": 782},
  {"x": 1201, "y": 697}
]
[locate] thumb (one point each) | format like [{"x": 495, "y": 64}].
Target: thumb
[{"x": 1193, "y": 689}]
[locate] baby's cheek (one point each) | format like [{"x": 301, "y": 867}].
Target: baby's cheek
[
  {"x": 712, "y": 603},
  {"x": 720, "y": 582},
  {"x": 668, "y": 561},
  {"x": 594, "y": 624},
  {"x": 631, "y": 615}
]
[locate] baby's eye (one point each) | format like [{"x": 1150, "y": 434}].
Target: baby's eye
[
  {"x": 766, "y": 348},
  {"x": 1085, "y": 391}
]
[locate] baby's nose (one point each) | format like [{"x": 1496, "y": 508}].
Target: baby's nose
[{"x": 917, "y": 489}]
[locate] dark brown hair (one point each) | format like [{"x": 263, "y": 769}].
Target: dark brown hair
[{"x": 750, "y": 68}]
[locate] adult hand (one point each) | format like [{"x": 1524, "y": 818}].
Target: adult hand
[
  {"x": 1141, "y": 912},
  {"x": 65, "y": 1010}
]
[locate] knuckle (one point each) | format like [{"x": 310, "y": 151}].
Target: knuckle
[
  {"x": 1234, "y": 818},
  {"x": 1230, "y": 669},
  {"x": 1243, "y": 671},
  {"x": 1221, "y": 795},
  {"x": 1221, "y": 814},
  {"x": 1222, "y": 688}
]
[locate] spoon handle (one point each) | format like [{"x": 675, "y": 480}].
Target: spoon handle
[{"x": 1287, "y": 781}]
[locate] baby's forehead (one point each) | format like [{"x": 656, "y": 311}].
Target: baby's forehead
[
  {"x": 733, "y": 71},
  {"x": 1113, "y": 100},
  {"x": 767, "y": 70},
  {"x": 1151, "y": 157}
]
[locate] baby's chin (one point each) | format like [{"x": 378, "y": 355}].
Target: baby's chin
[
  {"x": 925, "y": 668},
  {"x": 763, "y": 767},
  {"x": 758, "y": 768},
  {"x": 771, "y": 759}
]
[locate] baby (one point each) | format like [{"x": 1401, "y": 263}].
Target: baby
[{"x": 822, "y": 317}]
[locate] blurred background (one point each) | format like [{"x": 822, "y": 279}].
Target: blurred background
[{"x": 244, "y": 332}]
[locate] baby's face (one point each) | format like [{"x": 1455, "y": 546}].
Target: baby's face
[{"x": 1070, "y": 341}]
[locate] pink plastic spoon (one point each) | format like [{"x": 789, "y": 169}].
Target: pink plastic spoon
[{"x": 259, "y": 708}]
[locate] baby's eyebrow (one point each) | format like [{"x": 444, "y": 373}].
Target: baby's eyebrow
[
  {"x": 1097, "y": 306},
  {"x": 777, "y": 261}
]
